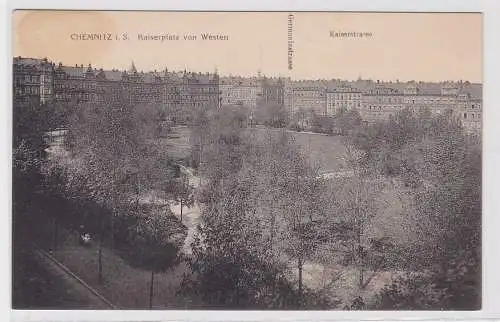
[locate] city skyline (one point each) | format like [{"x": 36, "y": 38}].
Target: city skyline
[
  {"x": 427, "y": 47},
  {"x": 248, "y": 76}
]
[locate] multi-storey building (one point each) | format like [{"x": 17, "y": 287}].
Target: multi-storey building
[
  {"x": 240, "y": 91},
  {"x": 288, "y": 95},
  {"x": 416, "y": 98},
  {"x": 308, "y": 97},
  {"x": 273, "y": 91},
  {"x": 470, "y": 112},
  {"x": 449, "y": 89},
  {"x": 380, "y": 103},
  {"x": 345, "y": 97},
  {"x": 27, "y": 79},
  {"x": 46, "y": 81}
]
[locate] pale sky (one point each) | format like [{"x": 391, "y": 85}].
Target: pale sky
[{"x": 404, "y": 46}]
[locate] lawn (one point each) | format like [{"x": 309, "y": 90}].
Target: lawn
[
  {"x": 325, "y": 151},
  {"x": 125, "y": 286},
  {"x": 121, "y": 280},
  {"x": 38, "y": 286},
  {"x": 391, "y": 219}
]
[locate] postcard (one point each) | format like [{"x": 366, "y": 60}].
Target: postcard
[{"x": 247, "y": 160}]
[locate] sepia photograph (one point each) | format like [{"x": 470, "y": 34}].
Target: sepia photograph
[{"x": 190, "y": 160}]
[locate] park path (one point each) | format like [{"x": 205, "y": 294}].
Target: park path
[
  {"x": 191, "y": 216},
  {"x": 191, "y": 219}
]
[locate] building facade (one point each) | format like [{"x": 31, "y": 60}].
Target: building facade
[
  {"x": 380, "y": 103},
  {"x": 240, "y": 91},
  {"x": 273, "y": 91},
  {"x": 345, "y": 97},
  {"x": 39, "y": 78},
  {"x": 308, "y": 97},
  {"x": 45, "y": 81}
]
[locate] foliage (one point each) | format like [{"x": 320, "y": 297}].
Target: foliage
[
  {"x": 114, "y": 159},
  {"x": 216, "y": 141},
  {"x": 272, "y": 115},
  {"x": 149, "y": 242},
  {"x": 453, "y": 286},
  {"x": 323, "y": 124},
  {"x": 183, "y": 193},
  {"x": 254, "y": 222},
  {"x": 413, "y": 292},
  {"x": 440, "y": 166},
  {"x": 28, "y": 153}
]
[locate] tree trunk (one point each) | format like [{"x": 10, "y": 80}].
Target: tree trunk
[
  {"x": 237, "y": 294},
  {"x": 273, "y": 233},
  {"x": 113, "y": 229},
  {"x": 151, "y": 290},
  {"x": 137, "y": 194},
  {"x": 300, "y": 264},
  {"x": 359, "y": 252},
  {"x": 201, "y": 156},
  {"x": 181, "y": 210},
  {"x": 100, "y": 262},
  {"x": 361, "y": 273},
  {"x": 55, "y": 234}
]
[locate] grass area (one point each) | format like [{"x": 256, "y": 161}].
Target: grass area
[
  {"x": 125, "y": 286},
  {"x": 323, "y": 270},
  {"x": 128, "y": 287},
  {"x": 36, "y": 286},
  {"x": 325, "y": 151}
]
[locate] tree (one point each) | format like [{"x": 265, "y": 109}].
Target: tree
[
  {"x": 239, "y": 255},
  {"x": 115, "y": 157},
  {"x": 28, "y": 156},
  {"x": 272, "y": 115},
  {"x": 347, "y": 121},
  {"x": 152, "y": 245},
  {"x": 323, "y": 124},
  {"x": 183, "y": 193},
  {"x": 356, "y": 205},
  {"x": 440, "y": 166},
  {"x": 220, "y": 251}
]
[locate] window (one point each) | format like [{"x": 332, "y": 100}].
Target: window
[{"x": 465, "y": 115}]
